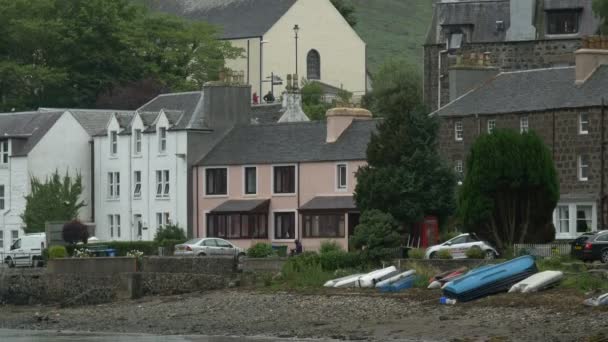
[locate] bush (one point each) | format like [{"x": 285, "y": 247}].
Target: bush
[
  {"x": 74, "y": 232},
  {"x": 337, "y": 259},
  {"x": 169, "y": 245},
  {"x": 57, "y": 252},
  {"x": 260, "y": 250},
  {"x": 169, "y": 232},
  {"x": 122, "y": 247},
  {"x": 377, "y": 236},
  {"x": 329, "y": 246},
  {"x": 416, "y": 253},
  {"x": 475, "y": 253},
  {"x": 444, "y": 254}
]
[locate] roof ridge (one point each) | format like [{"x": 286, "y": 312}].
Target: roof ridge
[{"x": 535, "y": 70}]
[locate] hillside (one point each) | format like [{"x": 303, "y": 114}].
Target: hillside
[{"x": 393, "y": 28}]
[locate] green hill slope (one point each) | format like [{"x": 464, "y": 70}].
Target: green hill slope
[{"x": 393, "y": 28}]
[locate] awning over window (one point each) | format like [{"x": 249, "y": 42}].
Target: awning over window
[
  {"x": 563, "y": 4},
  {"x": 330, "y": 203},
  {"x": 243, "y": 206}
]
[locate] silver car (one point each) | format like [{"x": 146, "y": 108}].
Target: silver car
[{"x": 208, "y": 247}]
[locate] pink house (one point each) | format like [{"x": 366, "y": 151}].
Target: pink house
[{"x": 281, "y": 182}]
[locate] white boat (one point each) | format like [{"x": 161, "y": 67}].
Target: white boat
[
  {"x": 333, "y": 282},
  {"x": 537, "y": 282},
  {"x": 350, "y": 281},
  {"x": 370, "y": 279},
  {"x": 435, "y": 284},
  {"x": 393, "y": 279}
]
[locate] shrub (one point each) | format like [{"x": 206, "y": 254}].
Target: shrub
[
  {"x": 74, "y": 232},
  {"x": 260, "y": 250},
  {"x": 377, "y": 236},
  {"x": 444, "y": 254},
  {"x": 123, "y": 247},
  {"x": 475, "y": 253},
  {"x": 169, "y": 232},
  {"x": 57, "y": 252},
  {"x": 337, "y": 259},
  {"x": 329, "y": 246},
  {"x": 81, "y": 253},
  {"x": 416, "y": 253},
  {"x": 304, "y": 271},
  {"x": 169, "y": 245}
]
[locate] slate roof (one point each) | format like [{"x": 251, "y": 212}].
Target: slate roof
[
  {"x": 27, "y": 127},
  {"x": 235, "y": 18},
  {"x": 187, "y": 103},
  {"x": 95, "y": 121},
  {"x": 330, "y": 202},
  {"x": 266, "y": 113},
  {"x": 290, "y": 143},
  {"x": 531, "y": 91},
  {"x": 240, "y": 206}
]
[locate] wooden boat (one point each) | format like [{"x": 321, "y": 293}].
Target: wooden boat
[
  {"x": 538, "y": 282},
  {"x": 489, "y": 280},
  {"x": 437, "y": 281},
  {"x": 395, "y": 278}
]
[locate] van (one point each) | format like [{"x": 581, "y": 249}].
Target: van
[{"x": 27, "y": 251}]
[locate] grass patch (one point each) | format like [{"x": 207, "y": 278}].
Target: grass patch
[
  {"x": 423, "y": 274},
  {"x": 576, "y": 275},
  {"x": 416, "y": 253}
]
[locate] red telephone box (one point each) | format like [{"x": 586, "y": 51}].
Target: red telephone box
[{"x": 425, "y": 233}]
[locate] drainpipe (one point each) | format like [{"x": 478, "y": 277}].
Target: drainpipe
[
  {"x": 92, "y": 149},
  {"x": 148, "y": 192},
  {"x": 196, "y": 208},
  {"x": 602, "y": 173},
  {"x": 299, "y": 233},
  {"x": 130, "y": 188},
  {"x": 439, "y": 76}
]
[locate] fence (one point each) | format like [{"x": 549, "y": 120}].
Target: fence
[{"x": 542, "y": 250}]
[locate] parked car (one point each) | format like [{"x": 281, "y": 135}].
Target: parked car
[
  {"x": 459, "y": 245},
  {"x": 27, "y": 251},
  {"x": 208, "y": 246},
  {"x": 591, "y": 246}
]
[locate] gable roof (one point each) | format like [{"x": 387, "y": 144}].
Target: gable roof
[
  {"x": 27, "y": 127},
  {"x": 290, "y": 143},
  {"x": 179, "y": 108},
  {"x": 235, "y": 18},
  {"x": 531, "y": 91}
]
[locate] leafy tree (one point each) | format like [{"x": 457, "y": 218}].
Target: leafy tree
[
  {"x": 405, "y": 175},
  {"x": 510, "y": 189},
  {"x": 169, "y": 232},
  {"x": 65, "y": 53},
  {"x": 600, "y": 7},
  {"x": 312, "y": 101},
  {"x": 74, "y": 232},
  {"x": 377, "y": 235},
  {"x": 347, "y": 10},
  {"x": 57, "y": 199}
]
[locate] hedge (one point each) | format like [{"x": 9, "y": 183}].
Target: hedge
[{"x": 122, "y": 247}]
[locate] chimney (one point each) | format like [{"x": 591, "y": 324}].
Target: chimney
[
  {"x": 223, "y": 104},
  {"x": 292, "y": 107},
  {"x": 590, "y": 57},
  {"x": 470, "y": 72},
  {"x": 338, "y": 120},
  {"x": 522, "y": 19}
]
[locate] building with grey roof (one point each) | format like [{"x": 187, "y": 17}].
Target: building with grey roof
[
  {"x": 565, "y": 106},
  {"x": 508, "y": 35}
]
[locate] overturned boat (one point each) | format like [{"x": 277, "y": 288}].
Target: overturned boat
[
  {"x": 538, "y": 282},
  {"x": 491, "y": 279},
  {"x": 395, "y": 278}
]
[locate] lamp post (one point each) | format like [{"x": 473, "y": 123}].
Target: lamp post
[
  {"x": 296, "y": 29},
  {"x": 262, "y": 42}
]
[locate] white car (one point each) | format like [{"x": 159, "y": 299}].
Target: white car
[
  {"x": 459, "y": 245},
  {"x": 208, "y": 247}
]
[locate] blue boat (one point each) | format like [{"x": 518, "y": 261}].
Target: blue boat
[
  {"x": 490, "y": 279},
  {"x": 401, "y": 284}
]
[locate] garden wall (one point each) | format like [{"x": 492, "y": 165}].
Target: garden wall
[
  {"x": 99, "y": 266},
  {"x": 223, "y": 266}
]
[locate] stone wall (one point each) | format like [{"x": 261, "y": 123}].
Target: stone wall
[
  {"x": 99, "y": 266},
  {"x": 508, "y": 56},
  {"x": 200, "y": 265},
  {"x": 263, "y": 264}
]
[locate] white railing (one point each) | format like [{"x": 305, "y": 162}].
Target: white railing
[{"x": 542, "y": 250}]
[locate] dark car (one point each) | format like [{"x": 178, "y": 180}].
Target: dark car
[{"x": 591, "y": 246}]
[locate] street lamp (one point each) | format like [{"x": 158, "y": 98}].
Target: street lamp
[
  {"x": 296, "y": 29},
  {"x": 262, "y": 42}
]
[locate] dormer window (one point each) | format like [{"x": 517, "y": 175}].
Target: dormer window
[
  {"x": 113, "y": 142},
  {"x": 3, "y": 151},
  {"x": 137, "y": 140},
  {"x": 162, "y": 139},
  {"x": 455, "y": 41},
  {"x": 563, "y": 21}
]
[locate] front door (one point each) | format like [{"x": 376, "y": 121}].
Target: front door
[
  {"x": 139, "y": 226},
  {"x": 353, "y": 221}
]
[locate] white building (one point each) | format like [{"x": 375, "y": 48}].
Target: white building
[
  {"x": 36, "y": 144},
  {"x": 143, "y": 158}
]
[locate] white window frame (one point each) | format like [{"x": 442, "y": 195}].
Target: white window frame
[
  {"x": 163, "y": 219},
  {"x": 137, "y": 141},
  {"x": 296, "y": 224},
  {"x": 583, "y": 121},
  {"x": 524, "y": 124},
  {"x": 113, "y": 185},
  {"x": 162, "y": 184},
  {"x": 580, "y": 168},
  {"x": 572, "y": 219},
  {"x": 2, "y": 197},
  {"x": 113, "y": 143},
  {"x": 491, "y": 125},
  {"x": 111, "y": 225},
  {"x": 117, "y": 224},
  {"x": 4, "y": 152},
  {"x": 458, "y": 131},
  {"x": 137, "y": 185},
  {"x": 339, "y": 186},
  {"x": 162, "y": 140},
  {"x": 205, "y": 181},
  {"x": 257, "y": 176},
  {"x": 459, "y": 167},
  {"x": 296, "y": 183}
]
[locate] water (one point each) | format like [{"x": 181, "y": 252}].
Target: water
[{"x": 10, "y": 335}]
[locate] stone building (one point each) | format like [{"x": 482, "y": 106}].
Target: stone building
[
  {"x": 509, "y": 34},
  {"x": 564, "y": 105}
]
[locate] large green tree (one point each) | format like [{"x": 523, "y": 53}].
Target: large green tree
[
  {"x": 600, "y": 7},
  {"x": 405, "y": 175},
  {"x": 377, "y": 235},
  {"x": 65, "y": 53},
  {"x": 55, "y": 199},
  {"x": 510, "y": 189},
  {"x": 346, "y": 8}
]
